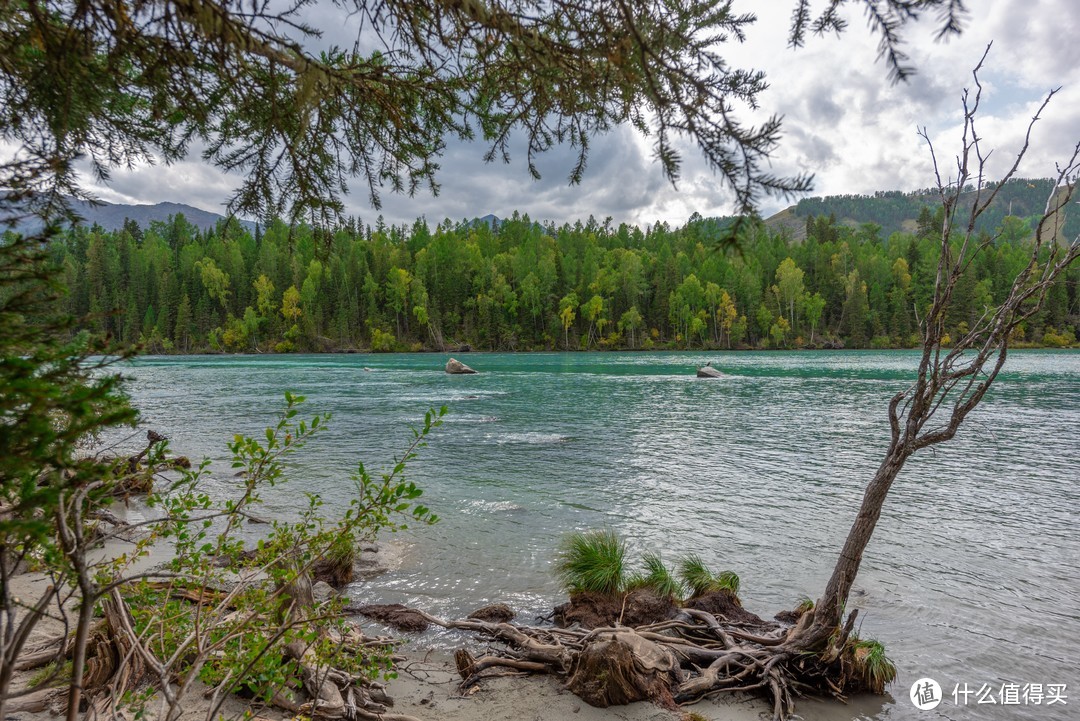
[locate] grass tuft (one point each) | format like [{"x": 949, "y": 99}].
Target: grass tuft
[
  {"x": 695, "y": 573},
  {"x": 592, "y": 561},
  {"x": 701, "y": 580},
  {"x": 728, "y": 581},
  {"x": 873, "y": 665},
  {"x": 51, "y": 675},
  {"x": 658, "y": 577}
]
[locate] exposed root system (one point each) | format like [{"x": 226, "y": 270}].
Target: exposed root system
[{"x": 693, "y": 655}]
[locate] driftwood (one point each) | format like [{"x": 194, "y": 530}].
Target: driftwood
[
  {"x": 620, "y": 667},
  {"x": 697, "y": 653},
  {"x": 135, "y": 473},
  {"x": 117, "y": 661},
  {"x": 694, "y": 655}
]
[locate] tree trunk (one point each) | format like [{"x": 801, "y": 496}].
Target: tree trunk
[
  {"x": 78, "y": 655},
  {"x": 830, "y": 607}
]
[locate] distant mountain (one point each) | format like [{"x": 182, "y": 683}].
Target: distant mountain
[
  {"x": 111, "y": 216},
  {"x": 492, "y": 221}
]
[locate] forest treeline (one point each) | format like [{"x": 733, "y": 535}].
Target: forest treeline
[{"x": 519, "y": 285}]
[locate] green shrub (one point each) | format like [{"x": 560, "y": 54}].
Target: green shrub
[
  {"x": 243, "y": 650},
  {"x": 1053, "y": 339},
  {"x": 382, "y": 341}
]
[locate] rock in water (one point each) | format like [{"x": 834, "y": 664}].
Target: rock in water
[
  {"x": 708, "y": 372},
  {"x": 495, "y": 613},
  {"x": 394, "y": 615},
  {"x": 457, "y": 367}
]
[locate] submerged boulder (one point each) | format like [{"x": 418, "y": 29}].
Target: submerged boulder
[
  {"x": 707, "y": 371},
  {"x": 456, "y": 367}
]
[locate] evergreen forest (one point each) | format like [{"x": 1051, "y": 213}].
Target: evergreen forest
[{"x": 517, "y": 285}]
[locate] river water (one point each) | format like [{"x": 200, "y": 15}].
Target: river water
[{"x": 971, "y": 577}]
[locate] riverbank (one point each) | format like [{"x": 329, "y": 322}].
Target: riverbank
[{"x": 427, "y": 688}]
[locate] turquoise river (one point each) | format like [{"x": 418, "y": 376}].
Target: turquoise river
[{"x": 972, "y": 577}]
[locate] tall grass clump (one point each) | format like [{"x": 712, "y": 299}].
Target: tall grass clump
[
  {"x": 701, "y": 580},
  {"x": 592, "y": 562},
  {"x": 657, "y": 577}
]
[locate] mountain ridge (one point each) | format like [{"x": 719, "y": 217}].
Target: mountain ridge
[
  {"x": 111, "y": 216},
  {"x": 892, "y": 211}
]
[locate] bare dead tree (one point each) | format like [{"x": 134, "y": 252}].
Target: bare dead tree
[{"x": 952, "y": 381}]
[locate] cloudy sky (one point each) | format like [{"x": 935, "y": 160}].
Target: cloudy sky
[{"x": 843, "y": 121}]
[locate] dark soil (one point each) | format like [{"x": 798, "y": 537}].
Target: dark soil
[
  {"x": 727, "y": 606},
  {"x": 593, "y": 610},
  {"x": 789, "y": 618},
  {"x": 394, "y": 615}
]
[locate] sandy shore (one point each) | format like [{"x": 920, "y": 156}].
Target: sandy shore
[
  {"x": 426, "y": 687},
  {"x": 427, "y": 683}
]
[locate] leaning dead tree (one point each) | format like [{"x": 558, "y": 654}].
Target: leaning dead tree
[
  {"x": 952, "y": 381},
  {"x": 691, "y": 654}
]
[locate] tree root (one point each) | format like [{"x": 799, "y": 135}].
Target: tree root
[
  {"x": 694, "y": 656},
  {"x": 334, "y": 694},
  {"x": 680, "y": 660}
]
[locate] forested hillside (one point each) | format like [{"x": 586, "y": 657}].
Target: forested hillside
[
  {"x": 1021, "y": 198},
  {"x": 522, "y": 286}
]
